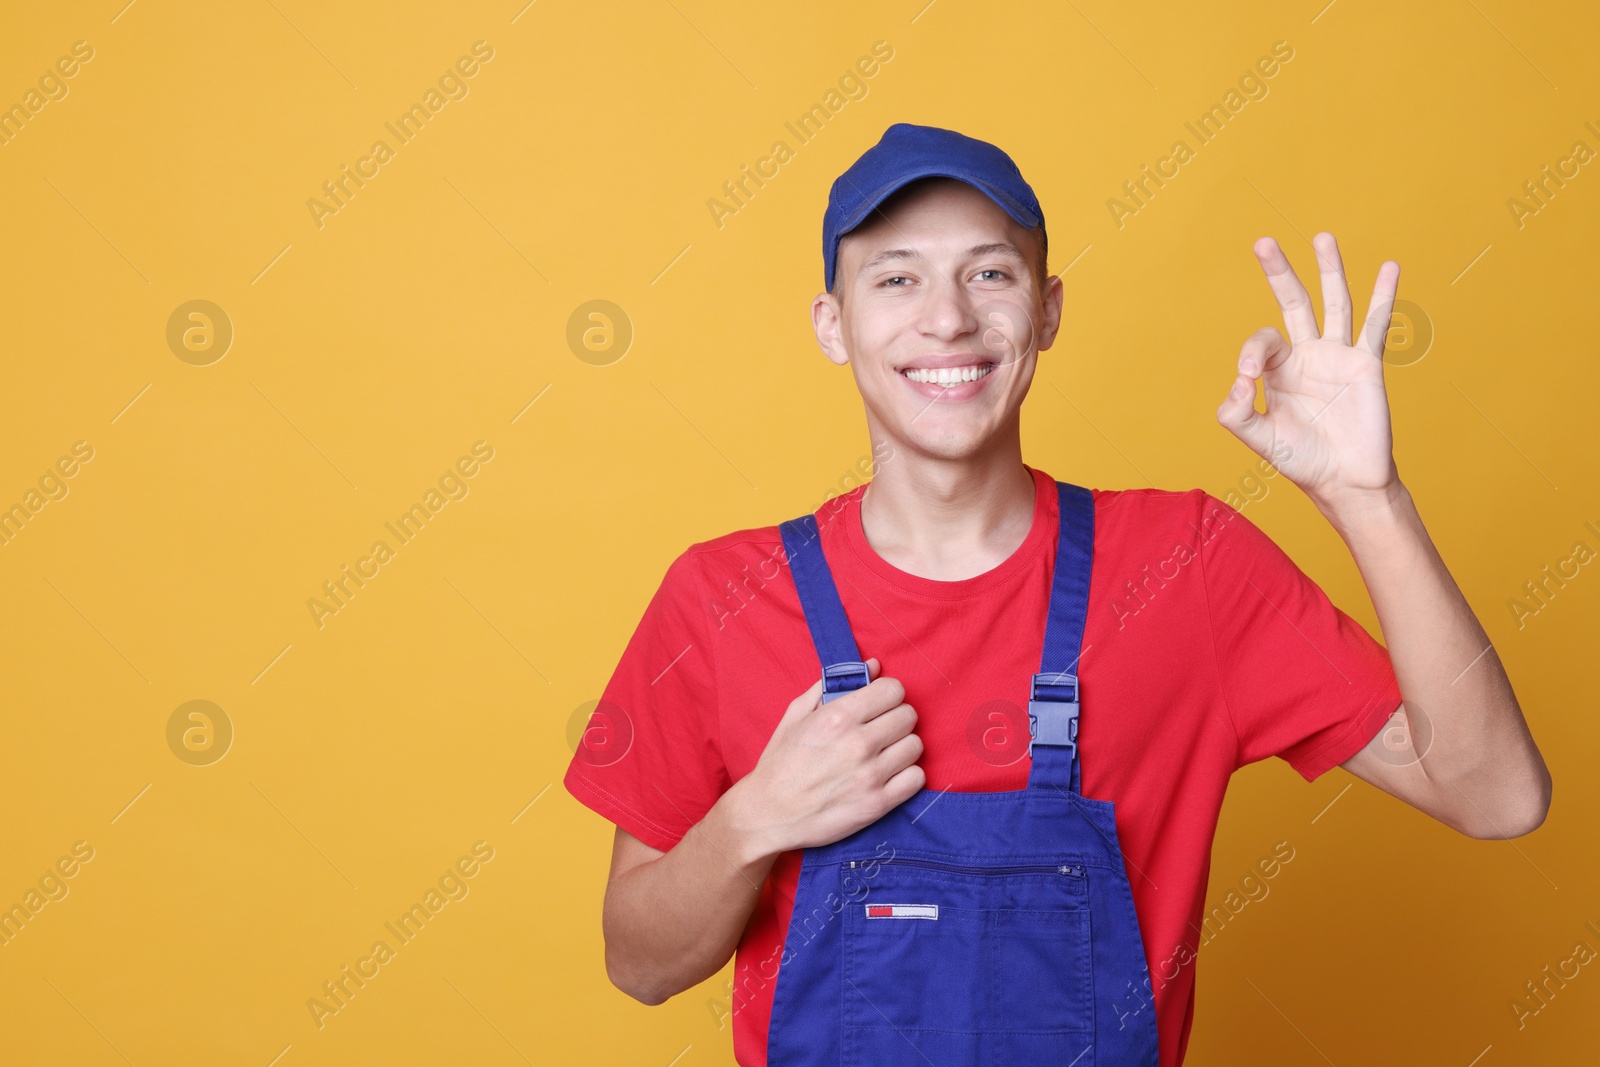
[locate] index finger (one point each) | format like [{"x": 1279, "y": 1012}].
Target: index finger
[
  {"x": 881, "y": 694},
  {"x": 1298, "y": 315},
  {"x": 812, "y": 697}
]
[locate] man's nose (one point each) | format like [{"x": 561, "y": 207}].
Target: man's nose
[{"x": 948, "y": 311}]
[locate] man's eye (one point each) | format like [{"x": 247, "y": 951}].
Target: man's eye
[
  {"x": 995, "y": 271},
  {"x": 896, "y": 278}
]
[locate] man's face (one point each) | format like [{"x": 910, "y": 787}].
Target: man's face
[{"x": 938, "y": 309}]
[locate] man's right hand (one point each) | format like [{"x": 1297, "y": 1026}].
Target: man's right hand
[
  {"x": 830, "y": 769},
  {"x": 672, "y": 919}
]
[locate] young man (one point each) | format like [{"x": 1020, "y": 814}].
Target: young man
[{"x": 946, "y": 852}]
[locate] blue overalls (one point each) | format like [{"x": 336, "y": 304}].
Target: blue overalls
[{"x": 992, "y": 928}]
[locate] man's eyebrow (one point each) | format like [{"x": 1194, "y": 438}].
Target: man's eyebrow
[
  {"x": 1000, "y": 248},
  {"x": 891, "y": 253}
]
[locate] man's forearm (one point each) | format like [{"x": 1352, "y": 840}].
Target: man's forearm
[
  {"x": 1479, "y": 757},
  {"x": 673, "y": 922}
]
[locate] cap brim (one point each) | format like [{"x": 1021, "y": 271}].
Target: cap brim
[{"x": 1021, "y": 214}]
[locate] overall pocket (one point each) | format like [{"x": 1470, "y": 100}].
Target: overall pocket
[{"x": 966, "y": 963}]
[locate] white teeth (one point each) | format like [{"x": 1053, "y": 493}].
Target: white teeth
[{"x": 949, "y": 375}]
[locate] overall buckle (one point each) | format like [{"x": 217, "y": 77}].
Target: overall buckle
[
  {"x": 1053, "y": 713},
  {"x": 837, "y": 679}
]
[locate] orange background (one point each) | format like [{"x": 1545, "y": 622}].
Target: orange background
[{"x": 433, "y": 711}]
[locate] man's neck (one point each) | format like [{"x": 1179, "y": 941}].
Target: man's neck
[{"x": 948, "y": 520}]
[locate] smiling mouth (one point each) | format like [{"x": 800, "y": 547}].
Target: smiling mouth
[{"x": 950, "y": 375}]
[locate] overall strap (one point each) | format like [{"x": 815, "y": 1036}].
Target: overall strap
[
  {"x": 842, "y": 668},
  {"x": 1054, "y": 693}
]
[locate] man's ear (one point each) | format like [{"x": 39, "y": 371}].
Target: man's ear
[
  {"x": 826, "y": 320},
  {"x": 1050, "y": 323}
]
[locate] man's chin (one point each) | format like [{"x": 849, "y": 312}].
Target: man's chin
[{"x": 951, "y": 443}]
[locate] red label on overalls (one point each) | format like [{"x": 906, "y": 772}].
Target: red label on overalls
[{"x": 902, "y": 911}]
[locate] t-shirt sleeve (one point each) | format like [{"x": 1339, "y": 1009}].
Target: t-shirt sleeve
[
  {"x": 1300, "y": 678},
  {"x": 650, "y": 758}
]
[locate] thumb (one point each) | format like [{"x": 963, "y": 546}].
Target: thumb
[{"x": 1238, "y": 414}]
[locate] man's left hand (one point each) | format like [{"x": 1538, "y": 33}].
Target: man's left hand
[{"x": 1326, "y": 426}]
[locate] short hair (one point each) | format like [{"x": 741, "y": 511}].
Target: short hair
[{"x": 1041, "y": 268}]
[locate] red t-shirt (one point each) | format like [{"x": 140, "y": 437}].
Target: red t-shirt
[{"x": 1206, "y": 648}]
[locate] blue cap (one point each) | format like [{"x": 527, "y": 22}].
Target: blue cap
[{"x": 906, "y": 153}]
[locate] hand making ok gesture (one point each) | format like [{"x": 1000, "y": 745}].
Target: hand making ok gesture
[{"x": 1326, "y": 426}]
